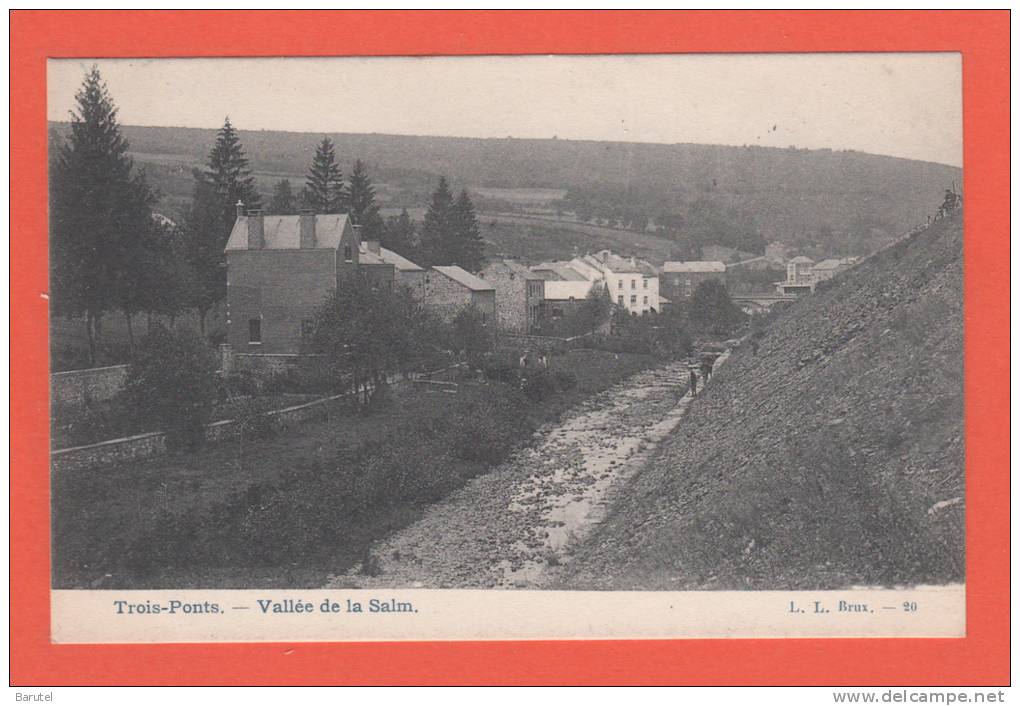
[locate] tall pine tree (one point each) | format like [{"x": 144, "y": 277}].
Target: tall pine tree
[
  {"x": 438, "y": 227},
  {"x": 230, "y": 177},
  {"x": 467, "y": 238},
  {"x": 362, "y": 205},
  {"x": 325, "y": 182},
  {"x": 100, "y": 212},
  {"x": 398, "y": 235},
  {"x": 226, "y": 181},
  {"x": 283, "y": 203}
]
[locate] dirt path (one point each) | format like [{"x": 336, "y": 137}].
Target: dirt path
[{"x": 504, "y": 529}]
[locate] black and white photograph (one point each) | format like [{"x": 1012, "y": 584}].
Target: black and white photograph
[{"x": 532, "y": 324}]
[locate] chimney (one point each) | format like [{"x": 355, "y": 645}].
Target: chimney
[
  {"x": 605, "y": 256},
  {"x": 240, "y": 208},
  {"x": 256, "y": 230},
  {"x": 633, "y": 261},
  {"x": 357, "y": 234},
  {"x": 373, "y": 246},
  {"x": 307, "y": 220}
]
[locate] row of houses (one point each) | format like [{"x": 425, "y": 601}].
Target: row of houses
[{"x": 281, "y": 268}]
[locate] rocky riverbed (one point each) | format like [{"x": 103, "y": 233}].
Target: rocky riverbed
[{"x": 507, "y": 528}]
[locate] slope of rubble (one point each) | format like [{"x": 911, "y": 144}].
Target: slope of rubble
[{"x": 832, "y": 458}]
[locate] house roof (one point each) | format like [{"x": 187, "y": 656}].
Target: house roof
[
  {"x": 802, "y": 259},
  {"x": 829, "y": 264},
  {"x": 620, "y": 265},
  {"x": 559, "y": 271},
  {"x": 516, "y": 268},
  {"x": 284, "y": 232},
  {"x": 387, "y": 257},
  {"x": 462, "y": 276},
  {"x": 694, "y": 266}
]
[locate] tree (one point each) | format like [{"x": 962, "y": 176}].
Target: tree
[
  {"x": 364, "y": 334},
  {"x": 470, "y": 334},
  {"x": 230, "y": 177},
  {"x": 100, "y": 210},
  {"x": 325, "y": 182},
  {"x": 712, "y": 309},
  {"x": 361, "y": 203},
  {"x": 398, "y": 235},
  {"x": 283, "y": 202},
  {"x": 203, "y": 245},
  {"x": 172, "y": 380},
  {"x": 594, "y": 310},
  {"x": 467, "y": 246},
  {"x": 437, "y": 227}
]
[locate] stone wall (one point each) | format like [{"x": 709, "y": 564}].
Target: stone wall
[
  {"x": 80, "y": 388},
  {"x": 153, "y": 444}
]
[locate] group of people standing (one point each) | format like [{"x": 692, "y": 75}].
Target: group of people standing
[{"x": 705, "y": 367}]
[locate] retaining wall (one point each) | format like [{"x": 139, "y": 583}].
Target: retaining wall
[{"x": 80, "y": 388}]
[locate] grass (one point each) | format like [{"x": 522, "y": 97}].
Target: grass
[{"x": 291, "y": 509}]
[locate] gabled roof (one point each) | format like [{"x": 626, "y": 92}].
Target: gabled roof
[
  {"x": 694, "y": 266},
  {"x": 829, "y": 264},
  {"x": 800, "y": 259},
  {"x": 387, "y": 257},
  {"x": 462, "y": 276},
  {"x": 284, "y": 232},
  {"x": 559, "y": 271},
  {"x": 518, "y": 269},
  {"x": 620, "y": 265}
]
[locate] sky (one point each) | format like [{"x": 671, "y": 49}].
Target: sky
[{"x": 903, "y": 105}]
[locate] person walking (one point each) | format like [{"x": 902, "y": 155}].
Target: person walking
[
  {"x": 707, "y": 364},
  {"x": 694, "y": 383}
]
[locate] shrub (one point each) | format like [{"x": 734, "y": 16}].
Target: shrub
[
  {"x": 565, "y": 381},
  {"x": 172, "y": 382},
  {"x": 539, "y": 385}
]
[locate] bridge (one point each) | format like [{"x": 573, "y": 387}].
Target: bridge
[{"x": 759, "y": 303}]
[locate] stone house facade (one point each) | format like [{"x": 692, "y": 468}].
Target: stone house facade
[
  {"x": 680, "y": 279},
  {"x": 520, "y": 296},
  {"x": 449, "y": 289}
]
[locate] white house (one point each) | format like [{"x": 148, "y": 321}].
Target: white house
[{"x": 633, "y": 284}]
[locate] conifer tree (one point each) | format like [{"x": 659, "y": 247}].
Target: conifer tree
[
  {"x": 398, "y": 235},
  {"x": 100, "y": 212},
  {"x": 438, "y": 227},
  {"x": 468, "y": 248},
  {"x": 325, "y": 182},
  {"x": 362, "y": 205},
  {"x": 283, "y": 203},
  {"x": 230, "y": 177}
]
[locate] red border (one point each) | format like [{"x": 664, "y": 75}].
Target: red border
[{"x": 983, "y": 39}]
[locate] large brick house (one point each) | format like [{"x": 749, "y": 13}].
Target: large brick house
[
  {"x": 449, "y": 289},
  {"x": 680, "y": 279},
  {"x": 280, "y": 269},
  {"x": 520, "y": 296}
]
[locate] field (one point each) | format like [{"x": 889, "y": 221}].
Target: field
[{"x": 275, "y": 512}]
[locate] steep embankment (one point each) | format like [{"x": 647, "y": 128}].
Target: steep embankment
[{"x": 832, "y": 458}]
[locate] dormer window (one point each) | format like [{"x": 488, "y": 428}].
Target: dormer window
[{"x": 348, "y": 257}]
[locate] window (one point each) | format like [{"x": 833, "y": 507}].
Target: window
[
  {"x": 307, "y": 328},
  {"x": 347, "y": 253},
  {"x": 254, "y": 330},
  {"x": 645, "y": 301},
  {"x": 619, "y": 284},
  {"x": 645, "y": 282},
  {"x": 633, "y": 284},
  {"x": 619, "y": 300},
  {"x": 633, "y": 299}
]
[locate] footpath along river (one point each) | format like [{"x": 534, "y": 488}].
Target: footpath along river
[{"x": 505, "y": 528}]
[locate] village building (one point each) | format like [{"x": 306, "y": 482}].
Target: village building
[
  {"x": 280, "y": 269},
  {"x": 827, "y": 269},
  {"x": 681, "y": 279},
  {"x": 449, "y": 289},
  {"x": 564, "y": 288},
  {"x": 633, "y": 284},
  {"x": 404, "y": 272},
  {"x": 799, "y": 277},
  {"x": 520, "y": 296}
]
